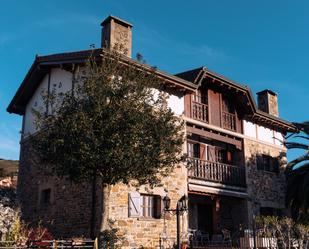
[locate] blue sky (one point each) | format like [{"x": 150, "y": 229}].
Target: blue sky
[{"x": 262, "y": 44}]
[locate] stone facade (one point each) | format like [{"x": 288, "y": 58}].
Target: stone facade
[
  {"x": 69, "y": 212},
  {"x": 268, "y": 102},
  {"x": 273, "y": 105},
  {"x": 265, "y": 189},
  {"x": 148, "y": 231},
  {"x": 116, "y": 32},
  {"x": 70, "y": 204}
]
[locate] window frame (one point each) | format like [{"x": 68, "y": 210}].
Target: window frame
[
  {"x": 149, "y": 206},
  {"x": 267, "y": 163},
  {"x": 45, "y": 197}
]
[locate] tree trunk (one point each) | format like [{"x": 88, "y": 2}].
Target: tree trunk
[
  {"x": 93, "y": 206},
  {"x": 105, "y": 207}
]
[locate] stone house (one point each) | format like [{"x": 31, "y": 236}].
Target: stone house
[{"x": 234, "y": 150}]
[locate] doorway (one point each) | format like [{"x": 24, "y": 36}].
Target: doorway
[{"x": 205, "y": 218}]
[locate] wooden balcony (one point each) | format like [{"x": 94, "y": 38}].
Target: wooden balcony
[
  {"x": 217, "y": 172},
  {"x": 199, "y": 111},
  {"x": 228, "y": 121}
]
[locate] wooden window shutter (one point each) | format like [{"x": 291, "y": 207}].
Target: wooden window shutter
[
  {"x": 190, "y": 150},
  {"x": 212, "y": 153},
  {"x": 229, "y": 157},
  {"x": 267, "y": 161},
  {"x": 134, "y": 204},
  {"x": 202, "y": 151},
  {"x": 157, "y": 205},
  {"x": 275, "y": 165},
  {"x": 259, "y": 162}
]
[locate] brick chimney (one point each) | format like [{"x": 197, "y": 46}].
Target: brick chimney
[
  {"x": 116, "y": 32},
  {"x": 268, "y": 102}
]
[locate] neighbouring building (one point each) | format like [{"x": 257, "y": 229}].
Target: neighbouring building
[
  {"x": 234, "y": 145},
  {"x": 8, "y": 173}
]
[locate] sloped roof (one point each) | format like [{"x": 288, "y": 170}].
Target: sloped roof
[
  {"x": 188, "y": 80},
  {"x": 197, "y": 76},
  {"x": 42, "y": 65}
]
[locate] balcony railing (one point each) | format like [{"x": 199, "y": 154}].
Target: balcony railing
[
  {"x": 228, "y": 121},
  {"x": 217, "y": 172},
  {"x": 199, "y": 111}
]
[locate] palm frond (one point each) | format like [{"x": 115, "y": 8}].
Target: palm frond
[
  {"x": 290, "y": 165},
  {"x": 304, "y": 126},
  {"x": 295, "y": 145}
]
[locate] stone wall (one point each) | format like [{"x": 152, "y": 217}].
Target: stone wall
[
  {"x": 147, "y": 232},
  {"x": 273, "y": 105},
  {"x": 265, "y": 189},
  {"x": 69, "y": 212}
]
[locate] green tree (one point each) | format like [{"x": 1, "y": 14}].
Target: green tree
[
  {"x": 112, "y": 127},
  {"x": 297, "y": 173}
]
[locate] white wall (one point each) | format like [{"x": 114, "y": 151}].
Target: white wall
[
  {"x": 265, "y": 134},
  {"x": 176, "y": 104},
  {"x": 37, "y": 103},
  {"x": 278, "y": 138},
  {"x": 261, "y": 133},
  {"x": 249, "y": 129},
  {"x": 60, "y": 81}
]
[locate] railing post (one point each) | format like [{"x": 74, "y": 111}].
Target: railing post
[
  {"x": 217, "y": 172},
  {"x": 96, "y": 244}
]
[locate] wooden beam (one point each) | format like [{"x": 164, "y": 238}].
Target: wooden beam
[{"x": 210, "y": 134}]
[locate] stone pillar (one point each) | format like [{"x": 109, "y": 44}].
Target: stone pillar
[
  {"x": 117, "y": 34},
  {"x": 216, "y": 215},
  {"x": 268, "y": 102}
]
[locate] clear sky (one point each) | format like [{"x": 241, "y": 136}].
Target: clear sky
[{"x": 262, "y": 44}]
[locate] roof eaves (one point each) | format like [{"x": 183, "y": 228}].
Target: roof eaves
[{"x": 81, "y": 57}]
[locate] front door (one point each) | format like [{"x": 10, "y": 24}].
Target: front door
[{"x": 205, "y": 221}]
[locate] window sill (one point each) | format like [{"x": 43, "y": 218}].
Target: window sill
[
  {"x": 147, "y": 219},
  {"x": 268, "y": 172}
]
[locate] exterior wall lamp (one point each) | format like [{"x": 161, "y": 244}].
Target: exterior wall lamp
[{"x": 181, "y": 207}]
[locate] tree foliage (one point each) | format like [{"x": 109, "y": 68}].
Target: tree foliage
[
  {"x": 287, "y": 232},
  {"x": 297, "y": 173},
  {"x": 111, "y": 125}
]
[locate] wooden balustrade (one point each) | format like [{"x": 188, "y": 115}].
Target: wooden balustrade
[
  {"x": 199, "y": 111},
  {"x": 228, "y": 121},
  {"x": 217, "y": 172}
]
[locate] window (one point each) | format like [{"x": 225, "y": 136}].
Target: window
[
  {"x": 202, "y": 97},
  {"x": 210, "y": 153},
  {"x": 227, "y": 104},
  {"x": 193, "y": 150},
  {"x": 267, "y": 163},
  {"x": 144, "y": 205},
  {"x": 45, "y": 197}
]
